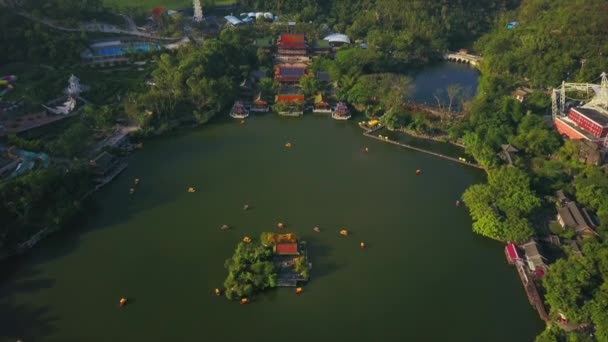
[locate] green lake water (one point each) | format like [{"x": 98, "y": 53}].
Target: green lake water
[{"x": 424, "y": 275}]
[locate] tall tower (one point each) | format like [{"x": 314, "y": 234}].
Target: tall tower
[{"x": 198, "y": 11}]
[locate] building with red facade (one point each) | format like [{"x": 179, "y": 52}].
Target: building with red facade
[
  {"x": 584, "y": 123},
  {"x": 595, "y": 122}
]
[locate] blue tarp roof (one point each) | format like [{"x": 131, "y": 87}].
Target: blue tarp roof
[{"x": 233, "y": 20}]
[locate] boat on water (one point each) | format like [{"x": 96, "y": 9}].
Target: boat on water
[
  {"x": 340, "y": 112},
  {"x": 239, "y": 111}
]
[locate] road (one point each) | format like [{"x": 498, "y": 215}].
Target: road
[{"x": 97, "y": 27}]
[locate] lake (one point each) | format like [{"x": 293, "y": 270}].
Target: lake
[{"x": 424, "y": 276}]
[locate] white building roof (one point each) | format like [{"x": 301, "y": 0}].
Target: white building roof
[
  {"x": 105, "y": 44},
  {"x": 337, "y": 38},
  {"x": 233, "y": 20}
]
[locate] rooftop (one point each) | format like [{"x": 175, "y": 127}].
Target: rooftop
[
  {"x": 512, "y": 251},
  {"x": 535, "y": 259},
  {"x": 573, "y": 217},
  {"x": 292, "y": 38},
  {"x": 287, "y": 249},
  {"x": 566, "y": 126},
  {"x": 594, "y": 115},
  {"x": 290, "y": 71},
  {"x": 337, "y": 38},
  {"x": 233, "y": 20}
]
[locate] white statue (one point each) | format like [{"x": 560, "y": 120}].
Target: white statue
[
  {"x": 198, "y": 11},
  {"x": 74, "y": 89}
]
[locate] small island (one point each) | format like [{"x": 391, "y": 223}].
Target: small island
[{"x": 272, "y": 260}]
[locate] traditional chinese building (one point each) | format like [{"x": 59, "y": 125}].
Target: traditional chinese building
[{"x": 286, "y": 73}]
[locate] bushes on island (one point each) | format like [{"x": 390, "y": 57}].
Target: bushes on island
[{"x": 250, "y": 270}]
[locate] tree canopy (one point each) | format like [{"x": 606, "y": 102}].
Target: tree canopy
[
  {"x": 502, "y": 208},
  {"x": 249, "y": 270}
]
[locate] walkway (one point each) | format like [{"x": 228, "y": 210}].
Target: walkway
[
  {"x": 370, "y": 135},
  {"x": 96, "y": 27},
  {"x": 531, "y": 290}
]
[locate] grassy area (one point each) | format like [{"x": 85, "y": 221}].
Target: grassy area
[{"x": 169, "y": 4}]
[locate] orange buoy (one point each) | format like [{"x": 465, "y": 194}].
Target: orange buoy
[
  {"x": 344, "y": 232},
  {"x": 298, "y": 290},
  {"x": 218, "y": 292},
  {"x": 280, "y": 225},
  {"x": 418, "y": 171},
  {"x": 246, "y": 239},
  {"x": 362, "y": 245},
  {"x": 122, "y": 302},
  {"x": 288, "y": 145},
  {"x": 244, "y": 301}
]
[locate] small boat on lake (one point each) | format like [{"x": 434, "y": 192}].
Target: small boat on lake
[
  {"x": 316, "y": 229},
  {"x": 239, "y": 111}
]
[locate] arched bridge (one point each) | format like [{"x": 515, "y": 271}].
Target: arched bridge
[{"x": 463, "y": 57}]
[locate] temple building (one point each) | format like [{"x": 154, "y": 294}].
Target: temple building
[
  {"x": 320, "y": 105},
  {"x": 289, "y": 73}
]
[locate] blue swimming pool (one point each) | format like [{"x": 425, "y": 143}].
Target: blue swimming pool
[{"x": 117, "y": 51}]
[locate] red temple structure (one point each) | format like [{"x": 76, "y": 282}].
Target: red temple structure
[
  {"x": 289, "y": 98},
  {"x": 320, "y": 105},
  {"x": 289, "y": 73},
  {"x": 292, "y": 44}
]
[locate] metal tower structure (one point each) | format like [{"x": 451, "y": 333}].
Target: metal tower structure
[
  {"x": 554, "y": 99},
  {"x": 600, "y": 99},
  {"x": 198, "y": 11}
]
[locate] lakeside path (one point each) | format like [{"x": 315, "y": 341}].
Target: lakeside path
[
  {"x": 97, "y": 27},
  {"x": 368, "y": 133}
]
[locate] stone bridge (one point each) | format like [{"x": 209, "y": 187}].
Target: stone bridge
[{"x": 463, "y": 57}]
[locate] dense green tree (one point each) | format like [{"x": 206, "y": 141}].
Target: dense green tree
[
  {"x": 568, "y": 285},
  {"x": 39, "y": 199},
  {"x": 309, "y": 85},
  {"x": 249, "y": 270},
  {"x": 203, "y": 79},
  {"x": 502, "y": 208},
  {"x": 535, "y": 138}
]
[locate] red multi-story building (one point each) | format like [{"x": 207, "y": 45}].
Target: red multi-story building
[
  {"x": 584, "y": 123},
  {"x": 591, "y": 120}
]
